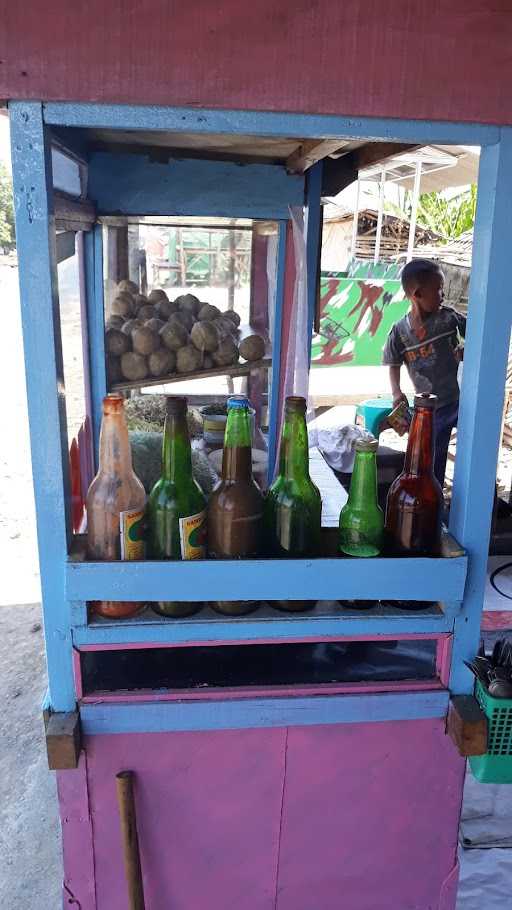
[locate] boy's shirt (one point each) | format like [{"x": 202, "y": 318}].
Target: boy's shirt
[{"x": 429, "y": 352}]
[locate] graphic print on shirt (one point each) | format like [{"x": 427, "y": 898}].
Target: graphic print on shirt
[{"x": 429, "y": 351}]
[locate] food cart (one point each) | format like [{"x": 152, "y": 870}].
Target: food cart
[{"x": 289, "y": 780}]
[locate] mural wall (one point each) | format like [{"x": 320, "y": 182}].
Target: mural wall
[{"x": 356, "y": 315}]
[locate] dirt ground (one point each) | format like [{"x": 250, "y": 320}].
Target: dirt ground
[
  {"x": 29, "y": 827},
  {"x": 30, "y": 850}
]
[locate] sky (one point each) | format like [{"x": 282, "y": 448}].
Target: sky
[{"x": 5, "y": 147}]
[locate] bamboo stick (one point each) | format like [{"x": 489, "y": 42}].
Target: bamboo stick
[{"x": 127, "y": 815}]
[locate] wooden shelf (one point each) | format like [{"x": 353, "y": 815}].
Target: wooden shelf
[
  {"x": 238, "y": 369},
  {"x": 334, "y": 578}
]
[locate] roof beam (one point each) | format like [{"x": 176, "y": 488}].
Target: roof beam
[
  {"x": 340, "y": 172},
  {"x": 309, "y": 152}
]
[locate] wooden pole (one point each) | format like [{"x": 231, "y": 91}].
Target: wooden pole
[
  {"x": 355, "y": 220},
  {"x": 380, "y": 216},
  {"x": 126, "y": 803},
  {"x": 231, "y": 269},
  {"x": 414, "y": 210}
]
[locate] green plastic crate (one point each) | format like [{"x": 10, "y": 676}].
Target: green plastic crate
[{"x": 495, "y": 767}]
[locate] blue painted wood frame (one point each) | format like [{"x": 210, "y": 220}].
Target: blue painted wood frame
[
  {"x": 485, "y": 361},
  {"x": 259, "y": 123},
  {"x": 35, "y": 235},
  {"x": 129, "y": 184},
  {"x": 269, "y": 579},
  {"x": 276, "y": 351},
  {"x": 489, "y": 319},
  {"x": 325, "y": 621},
  {"x": 161, "y": 717},
  {"x": 96, "y": 327},
  {"x": 312, "y": 224}
]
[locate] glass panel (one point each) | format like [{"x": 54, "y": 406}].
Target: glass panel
[
  {"x": 72, "y": 324},
  {"x": 308, "y": 663},
  {"x": 66, "y": 173},
  {"x": 189, "y": 309}
]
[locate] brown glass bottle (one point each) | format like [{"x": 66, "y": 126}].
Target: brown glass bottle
[
  {"x": 415, "y": 500},
  {"x": 115, "y": 504},
  {"x": 235, "y": 508}
]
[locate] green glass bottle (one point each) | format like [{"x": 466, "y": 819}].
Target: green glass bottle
[
  {"x": 293, "y": 506},
  {"x": 362, "y": 519},
  {"x": 177, "y": 507}
]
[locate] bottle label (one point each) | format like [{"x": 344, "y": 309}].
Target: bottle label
[
  {"x": 131, "y": 528},
  {"x": 193, "y": 536}
]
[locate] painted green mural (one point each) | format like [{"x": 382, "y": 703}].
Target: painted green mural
[{"x": 356, "y": 315}]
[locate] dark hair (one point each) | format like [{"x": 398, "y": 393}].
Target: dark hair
[{"x": 417, "y": 272}]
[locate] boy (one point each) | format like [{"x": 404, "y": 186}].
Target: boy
[{"x": 427, "y": 340}]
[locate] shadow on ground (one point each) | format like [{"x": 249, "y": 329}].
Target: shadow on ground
[{"x": 30, "y": 846}]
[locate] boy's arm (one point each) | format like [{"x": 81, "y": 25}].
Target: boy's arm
[
  {"x": 396, "y": 391},
  {"x": 393, "y": 357}
]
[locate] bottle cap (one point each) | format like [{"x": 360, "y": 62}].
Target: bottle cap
[
  {"x": 176, "y": 405},
  {"x": 367, "y": 444},
  {"x": 425, "y": 401},
  {"x": 238, "y": 401},
  {"x": 295, "y": 403}
]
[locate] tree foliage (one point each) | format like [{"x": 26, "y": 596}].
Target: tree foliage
[
  {"x": 448, "y": 217},
  {"x": 7, "y": 236}
]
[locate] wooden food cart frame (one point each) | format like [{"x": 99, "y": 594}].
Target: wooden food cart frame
[{"x": 69, "y": 581}]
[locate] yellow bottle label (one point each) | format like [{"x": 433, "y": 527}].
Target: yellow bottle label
[
  {"x": 131, "y": 528},
  {"x": 193, "y": 536}
]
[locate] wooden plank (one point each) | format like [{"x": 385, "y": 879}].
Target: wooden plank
[
  {"x": 238, "y": 369},
  {"x": 325, "y": 622},
  {"x": 270, "y": 579},
  {"x": 135, "y": 185},
  {"x": 159, "y": 717},
  {"x": 481, "y": 404},
  {"x": 309, "y": 152},
  {"x": 466, "y": 725},
  {"x": 35, "y": 237},
  {"x": 130, "y": 116},
  {"x": 73, "y": 214},
  {"x": 339, "y": 48},
  {"x": 63, "y": 740}
]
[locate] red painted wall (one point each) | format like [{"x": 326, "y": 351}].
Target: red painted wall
[{"x": 433, "y": 59}]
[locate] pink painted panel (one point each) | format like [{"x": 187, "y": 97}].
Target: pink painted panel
[
  {"x": 214, "y": 694},
  {"x": 365, "y": 810},
  {"x": 146, "y": 645},
  {"x": 78, "y": 885},
  {"x": 370, "y": 817},
  {"x": 208, "y": 808}
]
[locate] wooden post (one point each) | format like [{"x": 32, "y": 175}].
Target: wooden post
[
  {"x": 380, "y": 216},
  {"x": 481, "y": 401},
  {"x": 467, "y": 725},
  {"x": 231, "y": 269},
  {"x": 414, "y": 211},
  {"x": 127, "y": 815}
]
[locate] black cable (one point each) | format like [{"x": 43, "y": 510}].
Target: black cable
[{"x": 506, "y": 565}]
